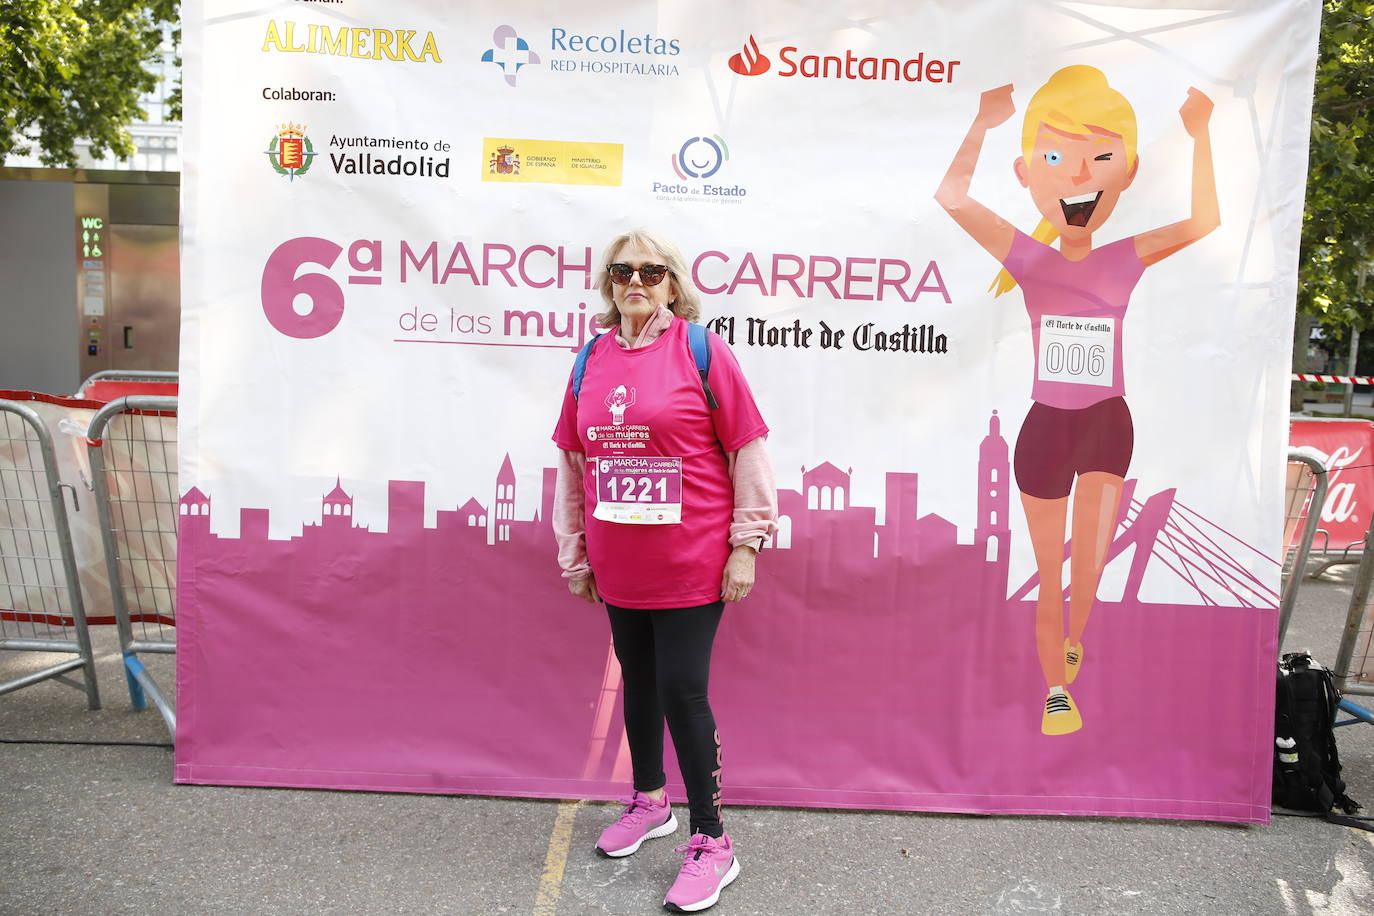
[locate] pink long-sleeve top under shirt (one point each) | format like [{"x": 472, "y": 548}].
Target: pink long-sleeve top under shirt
[{"x": 755, "y": 511}]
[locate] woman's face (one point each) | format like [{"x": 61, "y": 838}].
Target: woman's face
[
  {"x": 635, "y": 300},
  {"x": 1076, "y": 179}
]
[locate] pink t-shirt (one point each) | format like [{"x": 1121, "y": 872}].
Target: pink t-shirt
[
  {"x": 1076, "y": 310},
  {"x": 649, "y": 403}
]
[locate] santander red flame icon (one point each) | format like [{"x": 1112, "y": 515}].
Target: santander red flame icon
[{"x": 749, "y": 62}]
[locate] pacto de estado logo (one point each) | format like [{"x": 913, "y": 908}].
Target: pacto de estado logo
[
  {"x": 750, "y": 61},
  {"x": 697, "y": 160},
  {"x": 290, "y": 151},
  {"x": 510, "y": 52},
  {"x": 793, "y": 62},
  {"x": 700, "y": 157}
]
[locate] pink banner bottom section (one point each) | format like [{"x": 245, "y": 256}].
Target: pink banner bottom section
[{"x": 863, "y": 673}]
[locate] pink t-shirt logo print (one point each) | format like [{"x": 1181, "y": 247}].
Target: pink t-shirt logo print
[{"x": 618, "y": 401}]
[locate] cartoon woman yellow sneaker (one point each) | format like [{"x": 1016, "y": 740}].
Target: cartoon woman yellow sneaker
[
  {"x": 1061, "y": 713},
  {"x": 1073, "y": 660}
]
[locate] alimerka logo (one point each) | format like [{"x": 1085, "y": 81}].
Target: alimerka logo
[
  {"x": 349, "y": 41},
  {"x": 291, "y": 152},
  {"x": 749, "y": 62}
]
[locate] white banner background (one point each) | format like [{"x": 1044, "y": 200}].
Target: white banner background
[{"x": 831, "y": 167}]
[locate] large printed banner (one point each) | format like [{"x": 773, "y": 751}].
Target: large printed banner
[{"x": 395, "y": 216}]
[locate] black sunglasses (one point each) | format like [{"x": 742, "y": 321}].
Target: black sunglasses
[{"x": 649, "y": 274}]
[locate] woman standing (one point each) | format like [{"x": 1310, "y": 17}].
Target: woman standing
[
  {"x": 1078, "y": 145},
  {"x": 665, "y": 494}
]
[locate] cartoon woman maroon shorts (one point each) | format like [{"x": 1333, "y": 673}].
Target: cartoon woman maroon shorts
[{"x": 1078, "y": 156}]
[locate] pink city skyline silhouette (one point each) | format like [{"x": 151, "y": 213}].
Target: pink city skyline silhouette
[
  {"x": 874, "y": 665},
  {"x": 821, "y": 510}
]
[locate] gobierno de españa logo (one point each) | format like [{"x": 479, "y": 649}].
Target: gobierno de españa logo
[
  {"x": 291, "y": 153},
  {"x": 749, "y": 61},
  {"x": 505, "y": 161}
]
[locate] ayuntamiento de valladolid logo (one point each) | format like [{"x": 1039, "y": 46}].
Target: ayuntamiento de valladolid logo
[{"x": 290, "y": 151}]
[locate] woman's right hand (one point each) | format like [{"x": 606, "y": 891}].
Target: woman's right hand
[
  {"x": 983, "y": 226},
  {"x": 994, "y": 107},
  {"x": 1196, "y": 112},
  {"x": 585, "y": 589}
]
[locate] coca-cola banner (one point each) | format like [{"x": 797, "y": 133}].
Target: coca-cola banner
[
  {"x": 1012, "y": 284},
  {"x": 1349, "y": 449}
]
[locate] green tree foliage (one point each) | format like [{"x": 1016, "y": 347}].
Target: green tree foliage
[
  {"x": 74, "y": 70},
  {"x": 1338, "y": 225}
]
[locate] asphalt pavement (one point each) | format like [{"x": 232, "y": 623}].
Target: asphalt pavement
[{"x": 102, "y": 829}]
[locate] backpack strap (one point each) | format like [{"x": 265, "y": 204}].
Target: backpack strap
[
  {"x": 1359, "y": 823},
  {"x": 1333, "y": 784},
  {"x": 699, "y": 341},
  {"x": 580, "y": 364}
]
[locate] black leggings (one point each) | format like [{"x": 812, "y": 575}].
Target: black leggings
[{"x": 665, "y": 660}]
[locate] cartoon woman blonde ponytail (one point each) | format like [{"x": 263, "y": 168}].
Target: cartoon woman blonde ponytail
[{"x": 1075, "y": 99}]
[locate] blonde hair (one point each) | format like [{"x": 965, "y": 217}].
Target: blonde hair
[
  {"x": 1074, "y": 100},
  {"x": 686, "y": 302}
]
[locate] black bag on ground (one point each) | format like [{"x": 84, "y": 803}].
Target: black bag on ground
[{"x": 1307, "y": 766}]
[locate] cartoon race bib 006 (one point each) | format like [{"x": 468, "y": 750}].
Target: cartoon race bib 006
[
  {"x": 639, "y": 490},
  {"x": 1078, "y": 351}
]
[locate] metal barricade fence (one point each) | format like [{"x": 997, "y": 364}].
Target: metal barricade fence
[
  {"x": 1329, "y": 557},
  {"x": 1354, "y": 668},
  {"x": 41, "y": 607},
  {"x": 133, "y": 451},
  {"x": 1304, "y": 496},
  {"x": 125, "y": 375}
]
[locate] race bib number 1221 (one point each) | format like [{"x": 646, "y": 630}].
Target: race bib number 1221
[{"x": 639, "y": 491}]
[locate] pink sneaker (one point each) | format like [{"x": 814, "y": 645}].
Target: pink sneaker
[
  {"x": 643, "y": 819},
  {"x": 708, "y": 866}
]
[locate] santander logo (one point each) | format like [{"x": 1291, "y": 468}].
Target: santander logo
[
  {"x": 925, "y": 67},
  {"x": 750, "y": 61}
]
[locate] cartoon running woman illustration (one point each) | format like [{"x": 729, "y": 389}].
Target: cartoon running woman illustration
[{"x": 1078, "y": 145}]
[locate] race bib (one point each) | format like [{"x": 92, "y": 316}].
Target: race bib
[
  {"x": 1079, "y": 351},
  {"x": 639, "y": 490}
]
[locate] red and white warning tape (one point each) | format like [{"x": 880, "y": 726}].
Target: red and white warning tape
[{"x": 1342, "y": 379}]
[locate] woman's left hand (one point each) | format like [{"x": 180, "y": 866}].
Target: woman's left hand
[{"x": 738, "y": 580}]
